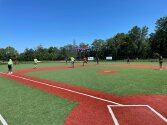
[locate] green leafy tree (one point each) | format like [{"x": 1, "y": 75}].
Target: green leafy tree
[
  {"x": 118, "y": 45},
  {"x": 53, "y": 53},
  {"x": 158, "y": 40},
  {"x": 70, "y": 50},
  {"x": 41, "y": 53},
  {"x": 2, "y": 54},
  {"x": 27, "y": 55},
  {"x": 97, "y": 47},
  {"x": 82, "y": 50},
  {"x": 138, "y": 37},
  {"x": 11, "y": 52}
]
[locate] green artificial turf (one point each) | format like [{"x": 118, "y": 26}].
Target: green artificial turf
[
  {"x": 24, "y": 105},
  {"x": 4, "y": 68},
  {"x": 130, "y": 80}
]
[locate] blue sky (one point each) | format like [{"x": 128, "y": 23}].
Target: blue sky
[{"x": 29, "y": 23}]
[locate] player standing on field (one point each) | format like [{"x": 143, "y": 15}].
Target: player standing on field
[
  {"x": 35, "y": 63},
  {"x": 66, "y": 59},
  {"x": 160, "y": 62},
  {"x": 128, "y": 60},
  {"x": 84, "y": 60},
  {"x": 72, "y": 61},
  {"x": 10, "y": 65}
]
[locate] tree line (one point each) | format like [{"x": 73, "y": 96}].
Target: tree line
[{"x": 136, "y": 43}]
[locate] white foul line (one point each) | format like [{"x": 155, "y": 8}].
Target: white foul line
[
  {"x": 112, "y": 115},
  {"x": 3, "y": 120},
  {"x": 105, "y": 100},
  {"x": 116, "y": 121},
  {"x": 157, "y": 113},
  {"x": 69, "y": 90}
]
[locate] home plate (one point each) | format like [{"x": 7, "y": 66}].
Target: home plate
[{"x": 136, "y": 115}]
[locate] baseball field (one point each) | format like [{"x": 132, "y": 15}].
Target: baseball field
[{"x": 108, "y": 93}]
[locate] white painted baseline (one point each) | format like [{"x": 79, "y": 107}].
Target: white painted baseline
[
  {"x": 69, "y": 90},
  {"x": 3, "y": 120},
  {"x": 115, "y": 119},
  {"x": 112, "y": 115},
  {"x": 105, "y": 100}
]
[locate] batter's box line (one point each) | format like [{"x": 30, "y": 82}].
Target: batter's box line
[
  {"x": 65, "y": 89},
  {"x": 116, "y": 121}
]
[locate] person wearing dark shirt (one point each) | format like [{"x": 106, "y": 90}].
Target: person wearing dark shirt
[
  {"x": 84, "y": 60},
  {"x": 160, "y": 62},
  {"x": 66, "y": 59},
  {"x": 128, "y": 60}
]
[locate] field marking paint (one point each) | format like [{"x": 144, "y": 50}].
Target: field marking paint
[
  {"x": 115, "y": 119},
  {"x": 157, "y": 113},
  {"x": 105, "y": 100},
  {"x": 112, "y": 115},
  {"x": 69, "y": 90},
  {"x": 3, "y": 120}
]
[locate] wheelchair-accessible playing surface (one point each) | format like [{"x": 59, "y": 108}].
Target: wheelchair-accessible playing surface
[{"x": 100, "y": 108}]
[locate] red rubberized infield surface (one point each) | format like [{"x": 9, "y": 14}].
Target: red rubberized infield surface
[{"x": 93, "y": 105}]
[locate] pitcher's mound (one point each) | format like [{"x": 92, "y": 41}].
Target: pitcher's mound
[{"x": 108, "y": 72}]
